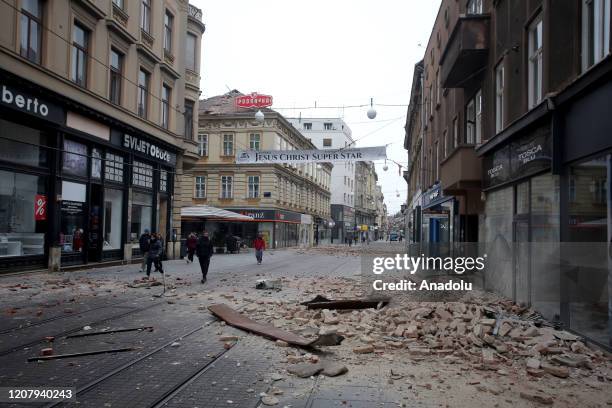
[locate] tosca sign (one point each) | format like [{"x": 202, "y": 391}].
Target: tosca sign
[
  {"x": 253, "y": 100},
  {"x": 520, "y": 158},
  {"x": 24, "y": 102}
]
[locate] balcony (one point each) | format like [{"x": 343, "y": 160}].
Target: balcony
[
  {"x": 461, "y": 170},
  {"x": 466, "y": 51}
]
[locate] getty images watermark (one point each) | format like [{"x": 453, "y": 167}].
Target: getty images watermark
[{"x": 433, "y": 265}]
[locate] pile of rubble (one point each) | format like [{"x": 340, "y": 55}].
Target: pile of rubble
[{"x": 488, "y": 335}]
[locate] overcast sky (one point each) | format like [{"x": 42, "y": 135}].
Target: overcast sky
[{"x": 333, "y": 52}]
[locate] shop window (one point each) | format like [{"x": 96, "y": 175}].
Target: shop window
[
  {"x": 113, "y": 168},
  {"x": 254, "y": 141},
  {"x": 23, "y": 214},
  {"x": 113, "y": 219},
  {"x": 162, "y": 218},
  {"x": 22, "y": 145},
  {"x": 253, "y": 182},
  {"x": 80, "y": 49},
  {"x": 75, "y": 159},
  {"x": 72, "y": 225},
  {"x": 31, "y": 30},
  {"x": 200, "y": 187},
  {"x": 163, "y": 181},
  {"x": 142, "y": 174},
  {"x": 141, "y": 215},
  {"x": 96, "y": 163}
]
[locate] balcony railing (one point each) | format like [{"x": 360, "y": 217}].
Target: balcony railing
[{"x": 195, "y": 12}]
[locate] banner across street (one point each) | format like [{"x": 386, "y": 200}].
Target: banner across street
[{"x": 312, "y": 156}]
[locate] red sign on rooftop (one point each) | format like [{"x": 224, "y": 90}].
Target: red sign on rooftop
[{"x": 253, "y": 100}]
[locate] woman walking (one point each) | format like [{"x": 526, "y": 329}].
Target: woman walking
[{"x": 192, "y": 243}]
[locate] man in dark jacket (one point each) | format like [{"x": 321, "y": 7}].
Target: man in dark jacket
[
  {"x": 144, "y": 243},
  {"x": 154, "y": 255},
  {"x": 204, "y": 250}
]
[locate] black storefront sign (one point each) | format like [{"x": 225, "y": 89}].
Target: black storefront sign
[
  {"x": 143, "y": 147},
  {"x": 270, "y": 215},
  {"x": 288, "y": 216},
  {"x": 22, "y": 101},
  {"x": 523, "y": 157}
]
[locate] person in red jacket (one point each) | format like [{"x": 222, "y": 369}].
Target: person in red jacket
[
  {"x": 259, "y": 244},
  {"x": 192, "y": 243}
]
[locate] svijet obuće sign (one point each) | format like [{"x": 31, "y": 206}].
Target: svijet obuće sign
[{"x": 312, "y": 156}]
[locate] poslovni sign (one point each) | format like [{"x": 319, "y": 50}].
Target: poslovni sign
[{"x": 253, "y": 100}]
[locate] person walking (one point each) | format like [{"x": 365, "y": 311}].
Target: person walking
[
  {"x": 192, "y": 243},
  {"x": 204, "y": 250},
  {"x": 154, "y": 255},
  {"x": 145, "y": 244},
  {"x": 259, "y": 244},
  {"x": 160, "y": 256}
]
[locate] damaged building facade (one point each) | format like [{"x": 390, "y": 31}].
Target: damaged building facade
[{"x": 508, "y": 140}]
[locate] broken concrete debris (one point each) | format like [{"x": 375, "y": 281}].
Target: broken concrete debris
[{"x": 268, "y": 284}]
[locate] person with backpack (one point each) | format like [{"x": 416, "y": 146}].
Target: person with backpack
[
  {"x": 204, "y": 250},
  {"x": 145, "y": 244},
  {"x": 260, "y": 245}
]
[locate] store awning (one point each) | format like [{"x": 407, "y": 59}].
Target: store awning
[{"x": 212, "y": 213}]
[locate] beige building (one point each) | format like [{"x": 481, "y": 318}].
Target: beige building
[
  {"x": 366, "y": 199},
  {"x": 96, "y": 125},
  {"x": 290, "y": 203}
]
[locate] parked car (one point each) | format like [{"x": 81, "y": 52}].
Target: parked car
[{"x": 394, "y": 236}]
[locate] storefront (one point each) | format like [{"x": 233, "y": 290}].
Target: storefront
[
  {"x": 437, "y": 217},
  {"x": 344, "y": 223},
  {"x": 80, "y": 189}
]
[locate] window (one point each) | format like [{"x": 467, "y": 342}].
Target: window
[
  {"x": 473, "y": 119},
  {"x": 327, "y": 126},
  {"x": 80, "y": 42},
  {"x": 143, "y": 93},
  {"x": 200, "y": 187},
  {"x": 141, "y": 214},
  {"x": 535, "y": 62},
  {"x": 438, "y": 87},
  {"x": 116, "y": 71},
  {"x": 145, "y": 16},
  {"x": 31, "y": 30},
  {"x": 190, "y": 52},
  {"x": 327, "y": 142},
  {"x": 228, "y": 145},
  {"x": 118, "y": 3},
  {"x": 75, "y": 158},
  {"x": 163, "y": 181},
  {"x": 188, "y": 115},
  {"x": 254, "y": 141},
  {"x": 499, "y": 98},
  {"x": 455, "y": 133},
  {"x": 168, "y": 22},
  {"x": 165, "y": 106},
  {"x": 445, "y": 141},
  {"x": 226, "y": 186},
  {"x": 307, "y": 126},
  {"x": 437, "y": 163},
  {"x": 113, "y": 168},
  {"x": 253, "y": 186},
  {"x": 142, "y": 174},
  {"x": 203, "y": 145},
  {"x": 595, "y": 31},
  {"x": 474, "y": 7},
  {"x": 96, "y": 163}
]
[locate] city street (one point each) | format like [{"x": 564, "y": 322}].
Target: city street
[{"x": 185, "y": 357}]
